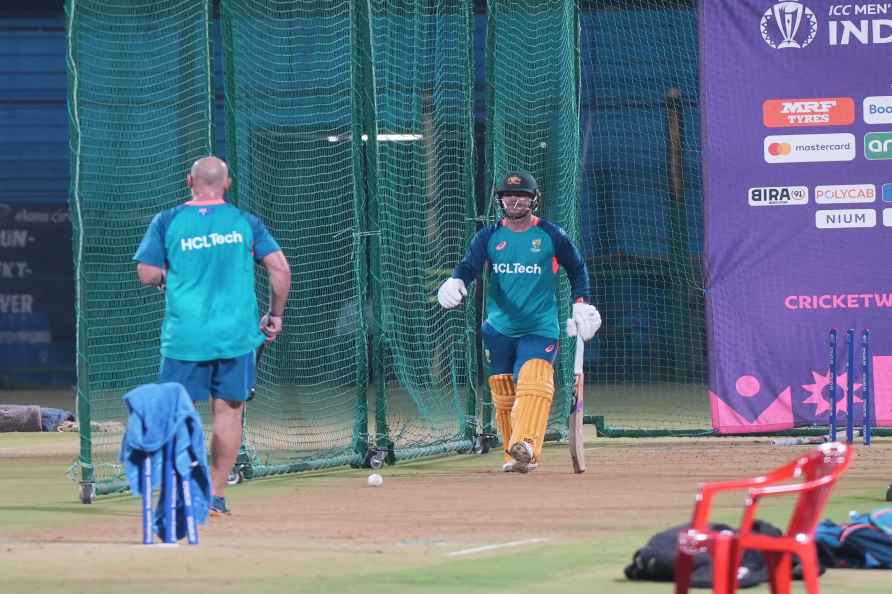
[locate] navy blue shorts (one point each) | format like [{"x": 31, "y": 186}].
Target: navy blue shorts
[
  {"x": 227, "y": 379},
  {"x": 507, "y": 354}
]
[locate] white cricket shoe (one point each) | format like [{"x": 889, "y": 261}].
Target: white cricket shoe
[
  {"x": 522, "y": 452},
  {"x": 509, "y": 467}
]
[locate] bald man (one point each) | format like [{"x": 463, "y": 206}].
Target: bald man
[{"x": 202, "y": 254}]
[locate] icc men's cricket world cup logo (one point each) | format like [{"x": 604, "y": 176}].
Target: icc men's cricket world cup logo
[{"x": 783, "y": 27}]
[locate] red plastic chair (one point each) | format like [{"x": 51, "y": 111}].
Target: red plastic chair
[{"x": 818, "y": 472}]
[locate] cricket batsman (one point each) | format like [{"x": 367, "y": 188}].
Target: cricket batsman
[{"x": 524, "y": 253}]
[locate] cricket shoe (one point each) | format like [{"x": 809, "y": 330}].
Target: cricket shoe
[
  {"x": 510, "y": 467},
  {"x": 522, "y": 452},
  {"x": 218, "y": 506}
]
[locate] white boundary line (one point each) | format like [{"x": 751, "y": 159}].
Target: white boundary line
[{"x": 503, "y": 545}]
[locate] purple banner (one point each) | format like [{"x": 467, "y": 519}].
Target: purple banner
[{"x": 796, "y": 103}]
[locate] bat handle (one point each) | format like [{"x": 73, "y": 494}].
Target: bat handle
[{"x": 580, "y": 350}]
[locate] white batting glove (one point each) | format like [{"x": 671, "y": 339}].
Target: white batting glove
[
  {"x": 451, "y": 292},
  {"x": 585, "y": 321}
]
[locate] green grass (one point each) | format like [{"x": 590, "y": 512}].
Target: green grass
[{"x": 49, "y": 542}]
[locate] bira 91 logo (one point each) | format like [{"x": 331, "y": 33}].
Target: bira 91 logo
[
  {"x": 801, "y": 113},
  {"x": 878, "y": 145},
  {"x": 777, "y": 196}
]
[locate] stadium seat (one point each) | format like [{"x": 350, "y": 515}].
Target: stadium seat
[{"x": 816, "y": 473}]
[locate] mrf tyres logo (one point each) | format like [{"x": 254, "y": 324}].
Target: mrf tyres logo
[
  {"x": 515, "y": 268},
  {"x": 809, "y": 148},
  {"x": 878, "y": 145},
  {"x": 791, "y": 113},
  {"x": 201, "y": 242}
]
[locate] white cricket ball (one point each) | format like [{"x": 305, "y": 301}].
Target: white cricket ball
[{"x": 376, "y": 480}]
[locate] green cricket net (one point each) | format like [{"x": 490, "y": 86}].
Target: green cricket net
[
  {"x": 350, "y": 130},
  {"x": 139, "y": 105},
  {"x": 423, "y": 214},
  {"x": 641, "y": 213},
  {"x": 292, "y": 116},
  {"x": 534, "y": 125}
]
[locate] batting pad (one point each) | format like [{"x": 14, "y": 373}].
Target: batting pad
[
  {"x": 535, "y": 391},
  {"x": 502, "y": 388}
]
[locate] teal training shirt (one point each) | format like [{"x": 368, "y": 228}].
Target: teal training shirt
[
  {"x": 524, "y": 268},
  {"x": 209, "y": 250}
]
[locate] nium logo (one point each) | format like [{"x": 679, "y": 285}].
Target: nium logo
[
  {"x": 846, "y": 218},
  {"x": 501, "y": 245},
  {"x": 788, "y": 25},
  {"x": 878, "y": 145},
  {"x": 777, "y": 196},
  {"x": 809, "y": 148},
  {"x": 845, "y": 194},
  {"x": 877, "y": 110},
  {"x": 792, "y": 113}
]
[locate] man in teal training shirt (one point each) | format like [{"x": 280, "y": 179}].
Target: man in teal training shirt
[
  {"x": 524, "y": 254},
  {"x": 202, "y": 254}
]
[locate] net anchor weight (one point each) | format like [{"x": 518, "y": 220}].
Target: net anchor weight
[
  {"x": 483, "y": 442},
  {"x": 87, "y": 492},
  {"x": 375, "y": 458}
]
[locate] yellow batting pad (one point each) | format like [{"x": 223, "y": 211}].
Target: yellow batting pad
[
  {"x": 502, "y": 389},
  {"x": 535, "y": 391}
]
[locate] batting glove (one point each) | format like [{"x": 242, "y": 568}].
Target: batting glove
[
  {"x": 586, "y": 321},
  {"x": 451, "y": 292}
]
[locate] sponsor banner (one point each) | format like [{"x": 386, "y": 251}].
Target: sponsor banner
[
  {"x": 845, "y": 194},
  {"x": 878, "y": 110},
  {"x": 777, "y": 196},
  {"x": 809, "y": 148},
  {"x": 846, "y": 218},
  {"x": 792, "y": 113},
  {"x": 36, "y": 294},
  {"x": 878, "y": 145},
  {"x": 796, "y": 110}
]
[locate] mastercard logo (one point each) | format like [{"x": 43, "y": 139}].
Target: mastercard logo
[{"x": 779, "y": 149}]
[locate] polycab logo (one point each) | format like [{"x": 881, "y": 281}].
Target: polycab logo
[
  {"x": 777, "y": 196},
  {"x": 788, "y": 25},
  {"x": 809, "y": 148},
  {"x": 877, "y": 110},
  {"x": 792, "y": 113},
  {"x": 846, "y": 218},
  {"x": 845, "y": 194},
  {"x": 878, "y": 145}
]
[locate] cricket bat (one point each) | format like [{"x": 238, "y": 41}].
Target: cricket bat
[{"x": 577, "y": 412}]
